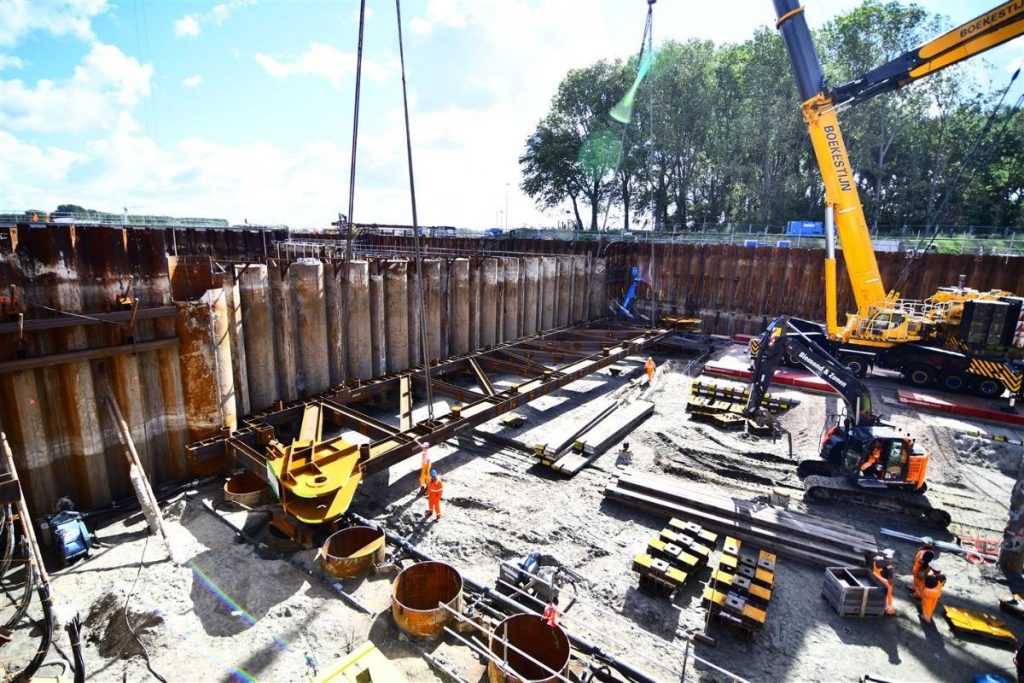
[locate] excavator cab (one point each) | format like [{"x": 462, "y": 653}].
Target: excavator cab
[{"x": 881, "y": 457}]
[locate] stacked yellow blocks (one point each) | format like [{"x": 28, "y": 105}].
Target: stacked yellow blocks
[
  {"x": 740, "y": 587},
  {"x": 679, "y": 551}
]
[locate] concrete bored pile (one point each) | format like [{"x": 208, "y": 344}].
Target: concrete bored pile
[
  {"x": 530, "y": 641},
  {"x": 417, "y": 594},
  {"x": 351, "y": 553}
]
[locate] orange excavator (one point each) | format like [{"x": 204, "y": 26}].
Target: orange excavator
[{"x": 863, "y": 460}]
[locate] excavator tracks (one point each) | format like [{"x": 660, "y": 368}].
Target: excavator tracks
[{"x": 821, "y": 488}]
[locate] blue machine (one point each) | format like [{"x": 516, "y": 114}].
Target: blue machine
[
  {"x": 70, "y": 535},
  {"x": 805, "y": 228},
  {"x": 625, "y": 308}
]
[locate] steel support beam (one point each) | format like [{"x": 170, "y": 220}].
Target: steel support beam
[
  {"x": 395, "y": 445},
  {"x": 79, "y": 319},
  {"x": 86, "y": 354}
]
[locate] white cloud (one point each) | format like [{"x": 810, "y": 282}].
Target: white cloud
[
  {"x": 11, "y": 63},
  {"x": 190, "y": 25},
  {"x": 104, "y": 85},
  {"x": 325, "y": 61},
  {"x": 192, "y": 81},
  {"x": 450, "y": 13},
  {"x": 19, "y": 18},
  {"x": 187, "y": 27}
]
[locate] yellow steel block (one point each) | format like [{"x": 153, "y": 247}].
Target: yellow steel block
[
  {"x": 754, "y": 614},
  {"x": 979, "y": 623},
  {"x": 765, "y": 577}
]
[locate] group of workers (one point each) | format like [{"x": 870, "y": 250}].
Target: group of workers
[{"x": 928, "y": 579}]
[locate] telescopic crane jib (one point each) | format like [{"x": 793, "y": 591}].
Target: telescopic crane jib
[{"x": 939, "y": 339}]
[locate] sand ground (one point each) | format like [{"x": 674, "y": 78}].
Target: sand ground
[{"x": 230, "y": 612}]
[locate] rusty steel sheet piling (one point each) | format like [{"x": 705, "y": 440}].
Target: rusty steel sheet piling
[{"x": 416, "y": 594}]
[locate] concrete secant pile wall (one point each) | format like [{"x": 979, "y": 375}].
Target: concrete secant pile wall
[{"x": 233, "y": 336}]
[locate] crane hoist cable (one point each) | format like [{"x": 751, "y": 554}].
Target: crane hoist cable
[
  {"x": 355, "y": 134},
  {"x": 415, "y": 224},
  {"x": 970, "y": 161},
  {"x": 641, "y": 72}
]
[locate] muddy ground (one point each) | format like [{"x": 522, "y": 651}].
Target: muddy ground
[{"x": 229, "y": 612}]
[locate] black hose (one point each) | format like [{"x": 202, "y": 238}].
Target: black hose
[
  {"x": 74, "y": 629},
  {"x": 8, "y": 531},
  {"x": 128, "y": 621},
  {"x": 26, "y": 596},
  {"x": 45, "y": 598}
]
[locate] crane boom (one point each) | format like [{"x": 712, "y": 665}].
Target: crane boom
[
  {"x": 782, "y": 339},
  {"x": 819, "y": 106}
]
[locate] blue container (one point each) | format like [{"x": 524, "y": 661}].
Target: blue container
[{"x": 805, "y": 228}]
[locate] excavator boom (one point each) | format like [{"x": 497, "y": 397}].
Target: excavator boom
[{"x": 782, "y": 339}]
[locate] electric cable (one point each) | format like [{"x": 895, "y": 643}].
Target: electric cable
[
  {"x": 7, "y": 528},
  {"x": 74, "y": 629},
  {"x": 128, "y": 622},
  {"x": 26, "y": 596},
  {"x": 46, "y": 599},
  {"x": 415, "y": 222}
]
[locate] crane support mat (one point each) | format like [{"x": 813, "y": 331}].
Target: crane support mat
[
  {"x": 801, "y": 380},
  {"x": 854, "y": 592},
  {"x": 938, "y": 405},
  {"x": 806, "y": 538},
  {"x": 973, "y": 622}
]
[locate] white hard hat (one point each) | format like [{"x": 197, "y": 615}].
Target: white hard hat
[
  {"x": 888, "y": 553},
  {"x": 927, "y": 540}
]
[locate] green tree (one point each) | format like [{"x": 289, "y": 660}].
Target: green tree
[{"x": 581, "y": 163}]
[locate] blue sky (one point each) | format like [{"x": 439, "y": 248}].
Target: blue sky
[{"x": 242, "y": 109}]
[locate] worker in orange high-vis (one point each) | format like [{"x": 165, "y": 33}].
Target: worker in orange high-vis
[
  {"x": 932, "y": 591},
  {"x": 924, "y": 556},
  {"x": 424, "y": 468},
  {"x": 434, "y": 491},
  {"x": 886, "y": 572},
  {"x": 871, "y": 461},
  {"x": 551, "y": 615},
  {"x": 649, "y": 369}
]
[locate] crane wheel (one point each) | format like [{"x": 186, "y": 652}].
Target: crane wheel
[
  {"x": 919, "y": 375},
  {"x": 986, "y": 387},
  {"x": 855, "y": 364},
  {"x": 953, "y": 381}
]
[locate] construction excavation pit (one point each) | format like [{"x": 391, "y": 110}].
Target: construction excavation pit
[
  {"x": 730, "y": 433},
  {"x": 561, "y": 493}
]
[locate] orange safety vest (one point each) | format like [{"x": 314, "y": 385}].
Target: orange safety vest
[{"x": 435, "y": 488}]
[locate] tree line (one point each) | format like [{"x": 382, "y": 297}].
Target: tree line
[{"x": 716, "y": 136}]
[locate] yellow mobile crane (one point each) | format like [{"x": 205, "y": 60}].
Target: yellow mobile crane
[{"x": 959, "y": 338}]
